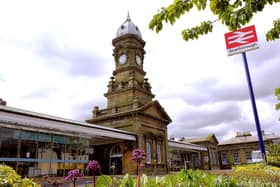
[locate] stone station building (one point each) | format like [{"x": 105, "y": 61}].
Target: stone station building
[{"x": 38, "y": 144}]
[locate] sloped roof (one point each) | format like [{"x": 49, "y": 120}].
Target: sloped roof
[
  {"x": 141, "y": 109},
  {"x": 201, "y": 139},
  {"x": 249, "y": 139},
  {"x": 172, "y": 144},
  {"x": 159, "y": 107},
  {"x": 19, "y": 118}
]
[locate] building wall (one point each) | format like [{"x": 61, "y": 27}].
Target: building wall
[
  {"x": 149, "y": 130},
  {"x": 185, "y": 159},
  {"x": 237, "y": 153},
  {"x": 213, "y": 154}
]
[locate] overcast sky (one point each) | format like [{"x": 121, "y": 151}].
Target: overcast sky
[{"x": 56, "y": 58}]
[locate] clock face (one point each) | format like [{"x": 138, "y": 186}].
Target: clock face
[
  {"x": 122, "y": 59},
  {"x": 138, "y": 60}
]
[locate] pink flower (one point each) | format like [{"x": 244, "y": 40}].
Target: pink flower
[
  {"x": 138, "y": 155},
  {"x": 74, "y": 175},
  {"x": 93, "y": 165}
]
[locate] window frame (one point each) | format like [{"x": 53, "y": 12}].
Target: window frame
[
  {"x": 159, "y": 152},
  {"x": 248, "y": 156},
  {"x": 224, "y": 158},
  {"x": 236, "y": 157},
  {"x": 148, "y": 152}
]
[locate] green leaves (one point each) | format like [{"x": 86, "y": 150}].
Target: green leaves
[
  {"x": 200, "y": 4},
  {"x": 277, "y": 94},
  {"x": 128, "y": 181},
  {"x": 193, "y": 33},
  {"x": 171, "y": 14},
  {"x": 274, "y": 33},
  {"x": 277, "y": 90},
  {"x": 104, "y": 181},
  {"x": 273, "y": 155},
  {"x": 8, "y": 177},
  {"x": 233, "y": 14}
]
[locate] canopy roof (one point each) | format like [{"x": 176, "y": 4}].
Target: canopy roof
[
  {"x": 27, "y": 120},
  {"x": 172, "y": 144}
]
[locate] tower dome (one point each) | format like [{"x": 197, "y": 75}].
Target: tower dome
[{"x": 128, "y": 27}]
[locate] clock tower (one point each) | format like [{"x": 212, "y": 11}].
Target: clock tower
[
  {"x": 130, "y": 107},
  {"x": 128, "y": 82}
]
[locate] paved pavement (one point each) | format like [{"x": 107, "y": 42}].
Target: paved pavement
[{"x": 81, "y": 182}]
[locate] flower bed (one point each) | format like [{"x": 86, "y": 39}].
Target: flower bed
[{"x": 259, "y": 172}]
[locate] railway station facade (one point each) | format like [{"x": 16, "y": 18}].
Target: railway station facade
[{"x": 36, "y": 144}]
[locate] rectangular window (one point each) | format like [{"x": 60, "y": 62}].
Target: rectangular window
[
  {"x": 149, "y": 153},
  {"x": 158, "y": 153},
  {"x": 224, "y": 158},
  {"x": 248, "y": 155},
  {"x": 236, "y": 159}
]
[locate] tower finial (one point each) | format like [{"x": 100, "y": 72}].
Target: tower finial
[{"x": 128, "y": 17}]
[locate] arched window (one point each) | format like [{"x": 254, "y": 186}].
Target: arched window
[
  {"x": 115, "y": 161},
  {"x": 116, "y": 152}
]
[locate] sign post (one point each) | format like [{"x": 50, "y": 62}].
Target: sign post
[{"x": 240, "y": 41}]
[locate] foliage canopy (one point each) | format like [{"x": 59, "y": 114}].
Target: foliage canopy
[
  {"x": 273, "y": 155},
  {"x": 232, "y": 13},
  {"x": 277, "y": 94}
]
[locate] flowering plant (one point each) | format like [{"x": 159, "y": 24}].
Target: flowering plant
[
  {"x": 93, "y": 165},
  {"x": 138, "y": 155},
  {"x": 73, "y": 175}
]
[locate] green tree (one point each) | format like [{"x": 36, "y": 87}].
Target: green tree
[
  {"x": 234, "y": 14},
  {"x": 273, "y": 155},
  {"x": 277, "y": 94}
]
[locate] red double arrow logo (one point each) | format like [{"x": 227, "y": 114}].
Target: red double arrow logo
[{"x": 241, "y": 37}]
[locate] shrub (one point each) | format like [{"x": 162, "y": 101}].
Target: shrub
[
  {"x": 273, "y": 155},
  {"x": 259, "y": 172},
  {"x": 9, "y": 178}
]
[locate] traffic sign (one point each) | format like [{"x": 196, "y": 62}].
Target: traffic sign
[{"x": 241, "y": 40}]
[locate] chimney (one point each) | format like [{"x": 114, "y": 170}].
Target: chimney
[{"x": 2, "y": 102}]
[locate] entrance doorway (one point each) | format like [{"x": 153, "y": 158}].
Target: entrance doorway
[{"x": 115, "y": 162}]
